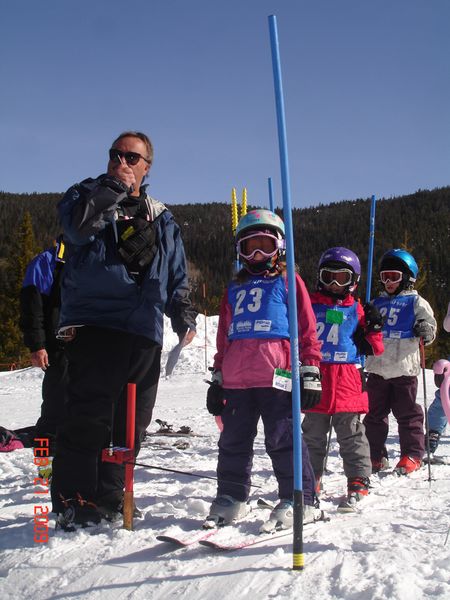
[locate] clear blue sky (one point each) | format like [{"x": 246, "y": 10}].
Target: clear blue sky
[{"x": 367, "y": 95}]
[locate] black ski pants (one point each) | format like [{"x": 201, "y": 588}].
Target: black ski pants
[
  {"x": 100, "y": 364},
  {"x": 54, "y": 397}
]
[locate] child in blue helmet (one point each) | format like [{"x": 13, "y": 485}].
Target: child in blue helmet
[
  {"x": 252, "y": 348},
  {"x": 347, "y": 332},
  {"x": 392, "y": 381}
]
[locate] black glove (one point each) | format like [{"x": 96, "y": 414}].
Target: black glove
[
  {"x": 423, "y": 329},
  {"x": 373, "y": 317},
  {"x": 214, "y": 399},
  {"x": 310, "y": 387}
]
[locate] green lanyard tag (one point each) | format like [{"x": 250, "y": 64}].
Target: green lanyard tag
[{"x": 334, "y": 316}]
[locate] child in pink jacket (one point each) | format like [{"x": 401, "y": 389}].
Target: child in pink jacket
[{"x": 252, "y": 344}]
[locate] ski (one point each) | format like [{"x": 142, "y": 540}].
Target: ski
[
  {"x": 253, "y": 540},
  {"x": 179, "y": 445},
  {"x": 172, "y": 358},
  {"x": 346, "y": 506},
  {"x": 184, "y": 541},
  {"x": 436, "y": 460},
  {"x": 243, "y": 542}
]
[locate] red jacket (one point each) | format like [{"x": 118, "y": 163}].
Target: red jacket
[
  {"x": 250, "y": 363},
  {"x": 342, "y": 387}
]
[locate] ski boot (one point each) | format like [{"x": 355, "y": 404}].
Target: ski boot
[
  {"x": 282, "y": 516},
  {"x": 77, "y": 513},
  {"x": 380, "y": 465},
  {"x": 434, "y": 437},
  {"x": 312, "y": 514},
  {"x": 224, "y": 511},
  {"x": 357, "y": 489},
  {"x": 407, "y": 465}
]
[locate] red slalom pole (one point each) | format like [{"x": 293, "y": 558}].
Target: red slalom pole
[{"x": 128, "y": 499}]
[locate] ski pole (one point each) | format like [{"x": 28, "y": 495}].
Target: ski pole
[
  {"x": 325, "y": 460},
  {"x": 198, "y": 475},
  {"x": 297, "y": 549},
  {"x": 427, "y": 430},
  {"x": 371, "y": 245}
]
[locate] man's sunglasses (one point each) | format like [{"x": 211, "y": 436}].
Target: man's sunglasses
[
  {"x": 131, "y": 158},
  {"x": 391, "y": 276}
]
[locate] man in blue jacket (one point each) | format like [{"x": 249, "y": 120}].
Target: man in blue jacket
[{"x": 125, "y": 268}]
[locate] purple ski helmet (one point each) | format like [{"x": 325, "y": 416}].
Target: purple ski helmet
[{"x": 343, "y": 258}]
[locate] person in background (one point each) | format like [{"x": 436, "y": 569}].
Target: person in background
[
  {"x": 437, "y": 419},
  {"x": 249, "y": 374},
  {"x": 392, "y": 381},
  {"x": 348, "y": 332},
  {"x": 125, "y": 269},
  {"x": 40, "y": 302}
]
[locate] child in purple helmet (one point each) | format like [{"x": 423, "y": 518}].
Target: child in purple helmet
[
  {"x": 249, "y": 377},
  {"x": 347, "y": 331},
  {"x": 392, "y": 380}
]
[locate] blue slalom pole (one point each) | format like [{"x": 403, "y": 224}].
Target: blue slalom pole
[
  {"x": 298, "y": 558},
  {"x": 269, "y": 181},
  {"x": 371, "y": 245}
]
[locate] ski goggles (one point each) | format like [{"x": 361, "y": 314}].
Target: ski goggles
[
  {"x": 391, "y": 276},
  {"x": 265, "y": 243},
  {"x": 340, "y": 277},
  {"x": 131, "y": 158}
]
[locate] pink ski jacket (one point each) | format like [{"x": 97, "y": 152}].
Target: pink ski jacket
[{"x": 250, "y": 363}]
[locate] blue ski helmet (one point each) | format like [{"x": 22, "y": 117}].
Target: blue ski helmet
[
  {"x": 260, "y": 218},
  {"x": 400, "y": 260},
  {"x": 343, "y": 258}
]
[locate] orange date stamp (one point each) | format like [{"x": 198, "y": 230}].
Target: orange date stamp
[{"x": 40, "y": 520}]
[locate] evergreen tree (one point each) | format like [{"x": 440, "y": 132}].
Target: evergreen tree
[{"x": 12, "y": 349}]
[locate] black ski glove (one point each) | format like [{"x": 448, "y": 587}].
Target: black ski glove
[
  {"x": 310, "y": 387},
  {"x": 373, "y": 317},
  {"x": 214, "y": 398},
  {"x": 423, "y": 329}
]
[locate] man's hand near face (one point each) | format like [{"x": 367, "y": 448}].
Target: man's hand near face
[{"x": 123, "y": 172}]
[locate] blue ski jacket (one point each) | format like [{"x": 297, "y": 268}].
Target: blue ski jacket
[{"x": 97, "y": 288}]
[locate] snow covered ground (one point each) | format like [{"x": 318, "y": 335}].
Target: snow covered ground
[{"x": 393, "y": 549}]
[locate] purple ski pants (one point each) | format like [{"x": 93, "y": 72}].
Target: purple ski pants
[
  {"x": 240, "y": 418},
  {"x": 399, "y": 395}
]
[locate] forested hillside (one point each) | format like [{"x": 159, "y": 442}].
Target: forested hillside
[{"x": 419, "y": 222}]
